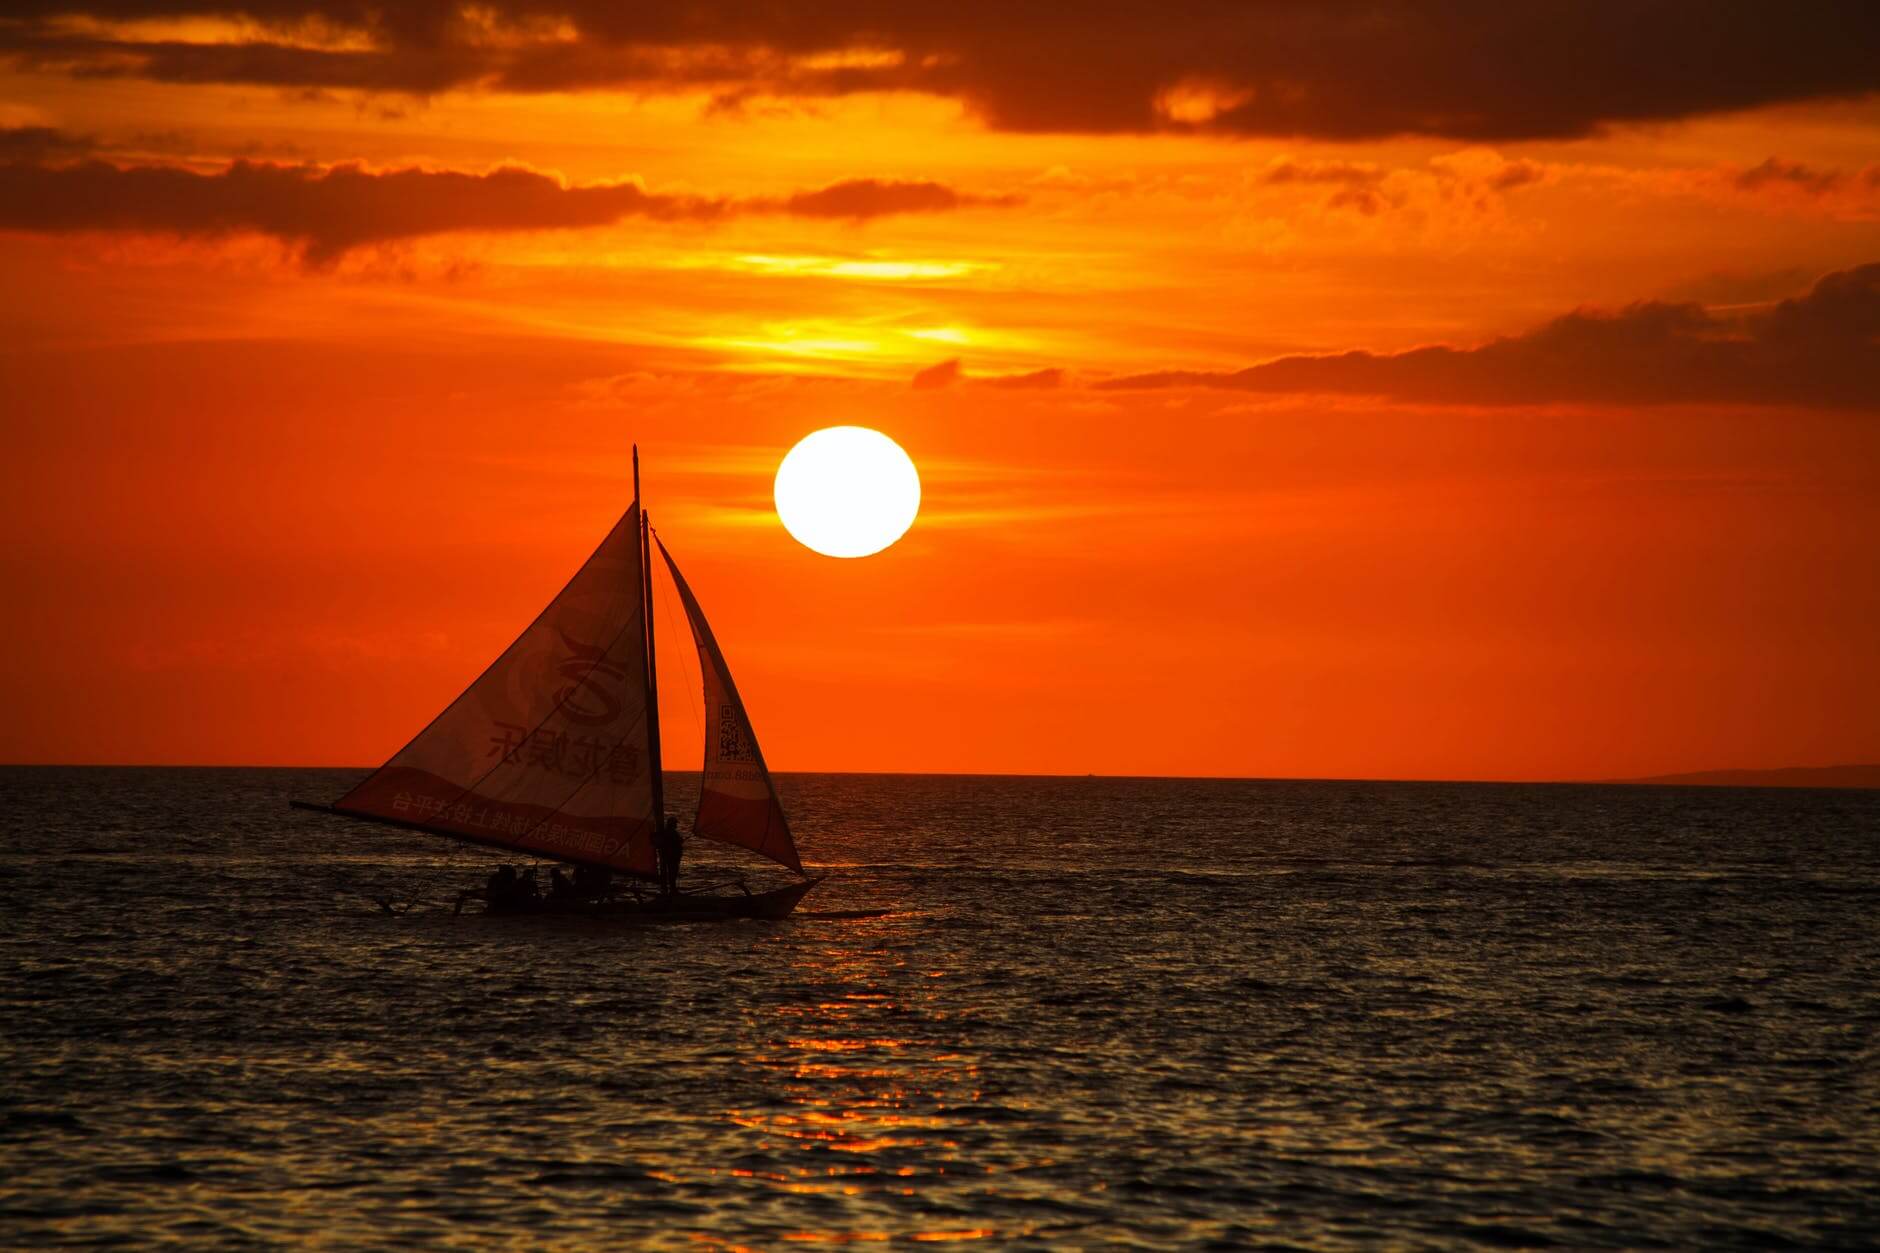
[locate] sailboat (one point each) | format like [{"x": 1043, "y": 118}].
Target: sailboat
[{"x": 554, "y": 751}]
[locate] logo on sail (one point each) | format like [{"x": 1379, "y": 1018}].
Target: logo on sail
[
  {"x": 589, "y": 698},
  {"x": 732, "y": 742}
]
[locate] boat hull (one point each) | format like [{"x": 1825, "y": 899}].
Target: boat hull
[{"x": 769, "y": 906}]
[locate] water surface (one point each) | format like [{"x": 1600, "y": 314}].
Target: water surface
[{"x": 1314, "y": 1015}]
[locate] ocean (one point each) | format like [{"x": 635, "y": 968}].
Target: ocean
[{"x": 1098, "y": 1012}]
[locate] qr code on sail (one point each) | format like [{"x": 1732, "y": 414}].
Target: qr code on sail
[{"x": 731, "y": 743}]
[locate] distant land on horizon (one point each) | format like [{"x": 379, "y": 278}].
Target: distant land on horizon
[{"x": 1788, "y": 776}]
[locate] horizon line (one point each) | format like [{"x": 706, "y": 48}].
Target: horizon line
[{"x": 1662, "y": 779}]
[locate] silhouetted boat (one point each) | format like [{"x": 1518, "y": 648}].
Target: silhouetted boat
[{"x": 554, "y": 750}]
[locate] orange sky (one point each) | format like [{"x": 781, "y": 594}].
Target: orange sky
[{"x": 1338, "y": 392}]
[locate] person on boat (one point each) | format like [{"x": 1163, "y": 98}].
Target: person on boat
[
  {"x": 526, "y": 893},
  {"x": 559, "y": 888},
  {"x": 493, "y": 891},
  {"x": 498, "y": 893},
  {"x": 669, "y": 848},
  {"x": 591, "y": 882}
]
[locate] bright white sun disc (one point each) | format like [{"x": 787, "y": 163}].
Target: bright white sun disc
[{"x": 847, "y": 491}]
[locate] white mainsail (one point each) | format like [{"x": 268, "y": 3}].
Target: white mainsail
[{"x": 550, "y": 750}]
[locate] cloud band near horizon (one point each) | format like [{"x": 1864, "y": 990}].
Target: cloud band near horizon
[{"x": 1821, "y": 348}]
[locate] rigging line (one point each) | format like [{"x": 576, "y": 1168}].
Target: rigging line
[
  {"x": 555, "y": 709},
  {"x": 694, "y": 697},
  {"x": 453, "y": 866},
  {"x": 580, "y": 787},
  {"x": 594, "y": 774},
  {"x": 560, "y": 805},
  {"x": 502, "y": 761},
  {"x": 693, "y": 675},
  {"x": 447, "y": 869},
  {"x": 647, "y": 711},
  {"x": 685, "y": 662},
  {"x": 569, "y": 799},
  {"x": 497, "y": 660}
]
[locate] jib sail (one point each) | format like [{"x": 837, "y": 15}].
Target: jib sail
[{"x": 737, "y": 801}]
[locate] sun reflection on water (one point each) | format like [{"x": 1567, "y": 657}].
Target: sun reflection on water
[{"x": 842, "y": 1080}]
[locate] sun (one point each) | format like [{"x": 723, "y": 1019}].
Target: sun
[{"x": 847, "y": 491}]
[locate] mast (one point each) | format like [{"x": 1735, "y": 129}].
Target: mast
[{"x": 656, "y": 772}]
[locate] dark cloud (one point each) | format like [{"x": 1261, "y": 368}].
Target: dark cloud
[
  {"x": 1035, "y": 379},
  {"x": 1330, "y": 69},
  {"x": 1775, "y": 171},
  {"x": 860, "y": 198},
  {"x": 1741, "y": 287},
  {"x": 1338, "y": 173},
  {"x": 1819, "y": 348},
  {"x": 323, "y": 212},
  {"x": 1472, "y": 176},
  {"x": 1779, "y": 174},
  {"x": 1516, "y": 174},
  {"x": 935, "y": 377},
  {"x": 35, "y": 143},
  {"x": 1356, "y": 186},
  {"x": 950, "y": 371}
]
